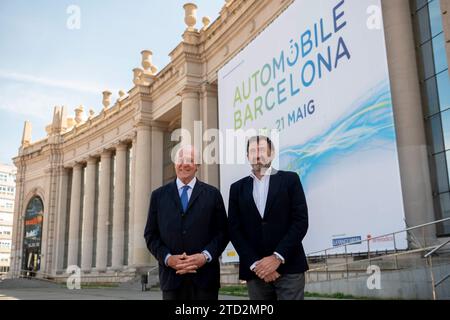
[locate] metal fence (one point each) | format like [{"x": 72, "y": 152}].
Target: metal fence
[{"x": 424, "y": 251}]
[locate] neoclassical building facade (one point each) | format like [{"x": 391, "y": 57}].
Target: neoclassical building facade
[{"x": 83, "y": 191}]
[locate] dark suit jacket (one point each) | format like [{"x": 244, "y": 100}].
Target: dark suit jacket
[
  {"x": 203, "y": 227},
  {"x": 282, "y": 230}
]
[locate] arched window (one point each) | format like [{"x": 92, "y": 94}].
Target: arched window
[{"x": 34, "y": 217}]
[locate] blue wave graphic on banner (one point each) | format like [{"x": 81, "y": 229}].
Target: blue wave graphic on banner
[{"x": 370, "y": 125}]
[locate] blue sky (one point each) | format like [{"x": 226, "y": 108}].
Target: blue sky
[{"x": 43, "y": 63}]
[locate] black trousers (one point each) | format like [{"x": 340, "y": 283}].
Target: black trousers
[
  {"x": 286, "y": 287},
  {"x": 189, "y": 291}
]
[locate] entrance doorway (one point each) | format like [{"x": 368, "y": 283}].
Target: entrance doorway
[{"x": 34, "y": 216}]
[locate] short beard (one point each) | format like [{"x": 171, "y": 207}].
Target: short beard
[{"x": 258, "y": 167}]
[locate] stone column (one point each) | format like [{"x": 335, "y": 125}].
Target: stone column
[
  {"x": 15, "y": 227},
  {"x": 141, "y": 255},
  {"x": 132, "y": 206},
  {"x": 20, "y": 208},
  {"x": 190, "y": 112},
  {"x": 412, "y": 146},
  {"x": 58, "y": 263},
  {"x": 75, "y": 206},
  {"x": 157, "y": 168},
  {"x": 103, "y": 211},
  {"x": 157, "y": 157},
  {"x": 118, "y": 237},
  {"x": 88, "y": 216},
  {"x": 209, "y": 116},
  {"x": 44, "y": 254}
]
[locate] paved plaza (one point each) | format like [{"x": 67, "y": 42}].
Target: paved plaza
[{"x": 23, "y": 289}]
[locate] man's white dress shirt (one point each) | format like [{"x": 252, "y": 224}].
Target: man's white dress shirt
[{"x": 260, "y": 193}]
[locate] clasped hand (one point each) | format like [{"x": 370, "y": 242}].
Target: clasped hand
[
  {"x": 266, "y": 268},
  {"x": 184, "y": 263}
]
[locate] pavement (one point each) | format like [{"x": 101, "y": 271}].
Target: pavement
[
  {"x": 24, "y": 289},
  {"x": 34, "y": 289}
]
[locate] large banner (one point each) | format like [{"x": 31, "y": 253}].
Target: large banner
[{"x": 318, "y": 74}]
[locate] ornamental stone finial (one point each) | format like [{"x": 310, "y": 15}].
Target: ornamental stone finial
[{"x": 190, "y": 15}]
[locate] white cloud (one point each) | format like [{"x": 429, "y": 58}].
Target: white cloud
[
  {"x": 33, "y": 96},
  {"x": 31, "y": 103},
  {"x": 58, "y": 83},
  {"x": 35, "y": 101}
]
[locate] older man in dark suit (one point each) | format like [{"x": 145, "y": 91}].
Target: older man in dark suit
[{"x": 187, "y": 232}]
